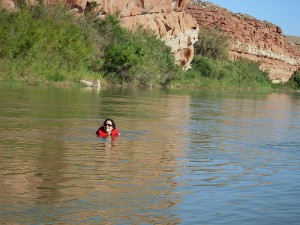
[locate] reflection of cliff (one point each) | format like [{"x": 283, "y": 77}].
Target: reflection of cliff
[
  {"x": 252, "y": 39},
  {"x": 31, "y": 162},
  {"x": 32, "y": 157}
]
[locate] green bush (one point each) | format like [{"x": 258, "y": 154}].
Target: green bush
[
  {"x": 241, "y": 73},
  {"x": 249, "y": 73},
  {"x": 50, "y": 43},
  {"x": 43, "y": 40},
  {"x": 294, "y": 81},
  {"x": 296, "y": 78},
  {"x": 138, "y": 58},
  {"x": 212, "y": 44}
]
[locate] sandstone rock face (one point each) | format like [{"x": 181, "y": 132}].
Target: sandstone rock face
[
  {"x": 252, "y": 39},
  {"x": 139, "y": 7}
]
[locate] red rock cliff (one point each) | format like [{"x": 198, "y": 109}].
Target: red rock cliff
[{"x": 251, "y": 38}]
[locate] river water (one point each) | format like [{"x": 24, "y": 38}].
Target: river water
[{"x": 184, "y": 156}]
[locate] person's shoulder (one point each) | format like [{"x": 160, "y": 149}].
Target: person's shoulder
[
  {"x": 100, "y": 130},
  {"x": 116, "y": 132}
]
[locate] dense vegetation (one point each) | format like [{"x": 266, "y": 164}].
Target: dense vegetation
[
  {"x": 42, "y": 44},
  {"x": 294, "y": 82},
  {"x": 215, "y": 73},
  {"x": 212, "y": 44},
  {"x": 53, "y": 45}
]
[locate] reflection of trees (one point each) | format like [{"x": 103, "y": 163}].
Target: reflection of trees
[
  {"x": 32, "y": 157},
  {"x": 34, "y": 160}
]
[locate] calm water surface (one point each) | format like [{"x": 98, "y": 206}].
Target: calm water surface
[{"x": 184, "y": 157}]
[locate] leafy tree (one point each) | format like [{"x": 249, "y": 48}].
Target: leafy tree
[
  {"x": 294, "y": 81},
  {"x": 138, "y": 57},
  {"x": 212, "y": 44},
  {"x": 42, "y": 42}
]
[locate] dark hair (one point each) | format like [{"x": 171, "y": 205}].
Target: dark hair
[{"x": 113, "y": 123}]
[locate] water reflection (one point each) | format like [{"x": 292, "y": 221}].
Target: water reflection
[{"x": 182, "y": 158}]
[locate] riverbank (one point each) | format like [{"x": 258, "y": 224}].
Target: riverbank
[{"x": 49, "y": 46}]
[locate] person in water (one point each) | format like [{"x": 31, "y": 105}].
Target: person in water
[{"x": 108, "y": 129}]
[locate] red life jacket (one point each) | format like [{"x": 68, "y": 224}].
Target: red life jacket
[{"x": 101, "y": 132}]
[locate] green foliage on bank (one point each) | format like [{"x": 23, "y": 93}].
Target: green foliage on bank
[
  {"x": 216, "y": 73},
  {"x": 52, "y": 44},
  {"x": 43, "y": 44},
  {"x": 138, "y": 58},
  {"x": 294, "y": 82},
  {"x": 212, "y": 44}
]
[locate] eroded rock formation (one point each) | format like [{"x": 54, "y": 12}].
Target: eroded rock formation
[{"x": 251, "y": 38}]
